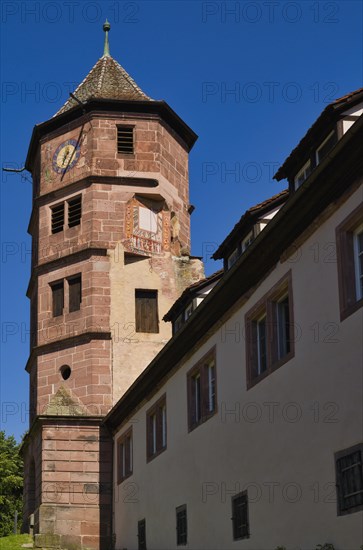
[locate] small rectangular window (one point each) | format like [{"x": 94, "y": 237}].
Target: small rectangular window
[
  {"x": 74, "y": 211},
  {"x": 57, "y": 218},
  {"x": 124, "y": 456},
  {"x": 75, "y": 293},
  {"x": 57, "y": 298},
  {"x": 125, "y": 139},
  {"x": 201, "y": 383},
  {"x": 141, "y": 534},
  {"x": 247, "y": 241},
  {"x": 326, "y": 146},
  {"x": 146, "y": 311},
  {"x": 232, "y": 258},
  {"x": 349, "y": 479},
  {"x": 181, "y": 525},
  {"x": 156, "y": 430},
  {"x": 240, "y": 522},
  {"x": 302, "y": 175}
]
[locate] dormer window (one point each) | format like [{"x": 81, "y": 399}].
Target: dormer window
[
  {"x": 247, "y": 241},
  {"x": 303, "y": 174},
  {"x": 325, "y": 147},
  {"x": 232, "y": 258},
  {"x": 188, "y": 311}
]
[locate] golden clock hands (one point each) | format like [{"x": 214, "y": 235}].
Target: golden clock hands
[{"x": 66, "y": 153}]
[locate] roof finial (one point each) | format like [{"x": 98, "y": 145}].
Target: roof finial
[{"x": 106, "y": 49}]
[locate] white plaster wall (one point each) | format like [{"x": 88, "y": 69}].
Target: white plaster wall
[{"x": 280, "y": 457}]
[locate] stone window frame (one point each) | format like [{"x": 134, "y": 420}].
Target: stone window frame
[
  {"x": 124, "y": 459},
  {"x": 156, "y": 441},
  {"x": 346, "y": 265},
  {"x": 201, "y": 370},
  {"x": 267, "y": 307}
]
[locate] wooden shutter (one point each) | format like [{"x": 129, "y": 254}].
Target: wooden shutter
[
  {"x": 58, "y": 298},
  {"x": 146, "y": 308},
  {"x": 75, "y": 293}
]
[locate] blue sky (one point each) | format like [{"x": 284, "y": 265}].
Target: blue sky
[{"x": 249, "y": 77}]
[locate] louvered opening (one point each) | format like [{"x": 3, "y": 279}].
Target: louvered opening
[
  {"x": 75, "y": 293},
  {"x": 125, "y": 139},
  {"x": 57, "y": 298},
  {"x": 58, "y": 218},
  {"x": 74, "y": 211}
]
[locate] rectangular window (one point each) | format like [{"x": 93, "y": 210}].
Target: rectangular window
[
  {"x": 232, "y": 258},
  {"x": 270, "y": 332},
  {"x": 349, "y": 240},
  {"x": 74, "y": 211},
  {"x": 181, "y": 525},
  {"x": 201, "y": 384},
  {"x": 247, "y": 241},
  {"x": 349, "y": 479},
  {"x": 303, "y": 174},
  {"x": 240, "y": 516},
  {"x": 326, "y": 146},
  {"x": 141, "y": 534},
  {"x": 124, "y": 456},
  {"x": 125, "y": 139},
  {"x": 57, "y": 218},
  {"x": 156, "y": 429},
  {"x": 75, "y": 293},
  {"x": 146, "y": 311},
  {"x": 57, "y": 298}
]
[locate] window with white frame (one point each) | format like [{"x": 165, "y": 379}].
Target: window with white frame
[
  {"x": 349, "y": 241},
  {"x": 326, "y": 146},
  {"x": 303, "y": 174},
  {"x": 232, "y": 258},
  {"x": 270, "y": 332},
  {"x": 202, "y": 393},
  {"x": 156, "y": 428},
  {"x": 247, "y": 241},
  {"x": 124, "y": 456}
]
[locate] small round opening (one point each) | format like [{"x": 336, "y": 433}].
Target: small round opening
[{"x": 65, "y": 371}]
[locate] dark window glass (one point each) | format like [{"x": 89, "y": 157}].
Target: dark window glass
[
  {"x": 141, "y": 534},
  {"x": 181, "y": 525},
  {"x": 75, "y": 293},
  {"x": 240, "y": 516},
  {"x": 58, "y": 298}
]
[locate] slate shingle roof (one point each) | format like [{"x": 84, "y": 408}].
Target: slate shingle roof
[{"x": 106, "y": 80}]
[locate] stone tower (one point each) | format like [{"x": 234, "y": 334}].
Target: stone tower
[{"x": 110, "y": 254}]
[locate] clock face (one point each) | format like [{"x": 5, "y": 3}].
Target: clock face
[{"x": 66, "y": 156}]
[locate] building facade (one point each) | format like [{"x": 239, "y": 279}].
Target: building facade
[
  {"x": 246, "y": 430},
  {"x": 169, "y": 409},
  {"x": 110, "y": 254}
]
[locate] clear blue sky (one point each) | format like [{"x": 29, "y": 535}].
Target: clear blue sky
[{"x": 249, "y": 77}]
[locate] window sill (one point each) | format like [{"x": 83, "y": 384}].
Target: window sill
[
  {"x": 204, "y": 419},
  {"x": 122, "y": 479},
  {"x": 349, "y": 310},
  {"x": 273, "y": 368},
  {"x": 149, "y": 458}
]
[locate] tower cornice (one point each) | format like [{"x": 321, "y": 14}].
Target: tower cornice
[{"x": 115, "y": 107}]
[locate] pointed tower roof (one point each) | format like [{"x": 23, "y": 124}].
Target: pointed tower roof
[{"x": 106, "y": 80}]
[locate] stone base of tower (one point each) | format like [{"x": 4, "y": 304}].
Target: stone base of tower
[{"x": 72, "y": 483}]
